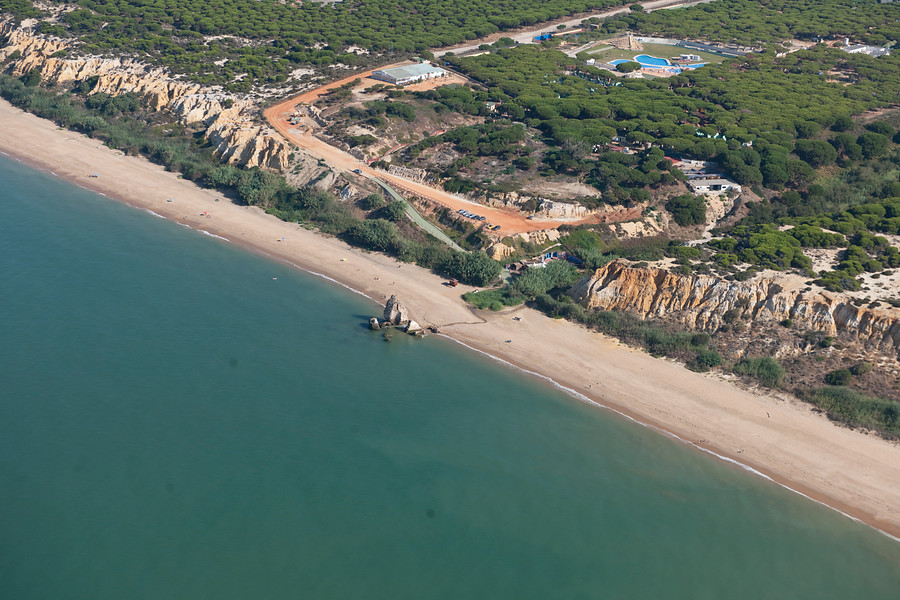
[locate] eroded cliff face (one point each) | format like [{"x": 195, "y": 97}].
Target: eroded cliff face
[
  {"x": 701, "y": 302},
  {"x": 235, "y": 131}
]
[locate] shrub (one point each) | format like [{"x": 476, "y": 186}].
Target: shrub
[
  {"x": 687, "y": 210},
  {"x": 376, "y": 234},
  {"x": 540, "y": 280},
  {"x": 856, "y": 409},
  {"x": 861, "y": 369},
  {"x": 683, "y": 252},
  {"x": 706, "y": 359},
  {"x": 371, "y": 202},
  {"x": 474, "y": 269},
  {"x": 494, "y": 299},
  {"x": 700, "y": 340},
  {"x": 731, "y": 315},
  {"x": 395, "y": 211},
  {"x": 766, "y": 370},
  {"x": 839, "y": 377}
]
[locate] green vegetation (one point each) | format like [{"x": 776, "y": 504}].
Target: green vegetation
[
  {"x": 495, "y": 299},
  {"x": 628, "y": 67},
  {"x": 540, "y": 280},
  {"x": 752, "y": 22},
  {"x": 609, "y": 54},
  {"x": 264, "y": 40},
  {"x": 371, "y": 202},
  {"x": 766, "y": 247},
  {"x": 857, "y": 410},
  {"x": 556, "y": 275},
  {"x": 687, "y": 210},
  {"x": 395, "y": 211},
  {"x": 765, "y": 370},
  {"x": 773, "y": 103}
]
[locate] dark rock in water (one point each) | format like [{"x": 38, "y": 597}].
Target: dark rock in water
[{"x": 374, "y": 324}]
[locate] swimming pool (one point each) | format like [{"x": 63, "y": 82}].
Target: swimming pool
[{"x": 651, "y": 61}]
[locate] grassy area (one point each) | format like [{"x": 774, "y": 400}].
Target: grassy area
[
  {"x": 496, "y": 299},
  {"x": 657, "y": 50}
]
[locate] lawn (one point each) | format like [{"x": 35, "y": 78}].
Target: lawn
[{"x": 657, "y": 50}]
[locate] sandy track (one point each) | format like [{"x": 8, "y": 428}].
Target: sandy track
[{"x": 510, "y": 221}]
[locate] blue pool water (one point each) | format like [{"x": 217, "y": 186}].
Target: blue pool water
[
  {"x": 651, "y": 61},
  {"x": 646, "y": 60}
]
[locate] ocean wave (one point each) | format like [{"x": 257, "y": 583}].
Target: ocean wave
[
  {"x": 155, "y": 214},
  {"x": 219, "y": 237},
  {"x": 323, "y": 276}
]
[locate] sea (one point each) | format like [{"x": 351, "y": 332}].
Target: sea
[{"x": 183, "y": 419}]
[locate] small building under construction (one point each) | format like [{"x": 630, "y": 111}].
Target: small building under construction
[{"x": 409, "y": 74}]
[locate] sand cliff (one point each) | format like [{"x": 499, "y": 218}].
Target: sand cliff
[
  {"x": 702, "y": 301},
  {"x": 233, "y": 125}
]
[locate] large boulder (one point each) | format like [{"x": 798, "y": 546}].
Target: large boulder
[{"x": 394, "y": 312}]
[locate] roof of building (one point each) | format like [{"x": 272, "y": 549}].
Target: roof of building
[
  {"x": 874, "y": 51},
  {"x": 705, "y": 182},
  {"x": 417, "y": 70}
]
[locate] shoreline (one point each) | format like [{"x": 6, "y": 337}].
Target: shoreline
[{"x": 779, "y": 439}]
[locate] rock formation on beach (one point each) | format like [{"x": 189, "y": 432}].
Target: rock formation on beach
[
  {"x": 397, "y": 315},
  {"x": 394, "y": 312},
  {"x": 705, "y": 302}
]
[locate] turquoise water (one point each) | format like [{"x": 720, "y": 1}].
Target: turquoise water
[
  {"x": 651, "y": 61},
  {"x": 175, "y": 423}
]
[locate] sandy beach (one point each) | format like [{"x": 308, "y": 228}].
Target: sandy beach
[{"x": 775, "y": 435}]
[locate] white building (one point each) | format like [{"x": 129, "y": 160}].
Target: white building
[
  {"x": 409, "y": 73},
  {"x": 713, "y": 186}
]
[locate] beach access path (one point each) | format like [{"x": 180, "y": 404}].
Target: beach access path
[{"x": 778, "y": 436}]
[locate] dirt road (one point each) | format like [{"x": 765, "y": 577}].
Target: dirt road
[
  {"x": 510, "y": 221},
  {"x": 526, "y": 35}
]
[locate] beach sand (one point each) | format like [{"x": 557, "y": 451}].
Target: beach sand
[{"x": 777, "y": 436}]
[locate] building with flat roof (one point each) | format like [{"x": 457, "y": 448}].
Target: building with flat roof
[
  {"x": 409, "y": 73},
  {"x": 713, "y": 186}
]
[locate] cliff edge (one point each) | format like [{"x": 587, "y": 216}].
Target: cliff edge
[{"x": 706, "y": 302}]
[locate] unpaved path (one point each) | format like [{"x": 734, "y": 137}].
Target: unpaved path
[
  {"x": 527, "y": 34},
  {"x": 510, "y": 221}
]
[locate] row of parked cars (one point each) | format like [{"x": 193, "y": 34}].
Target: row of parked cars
[{"x": 475, "y": 217}]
